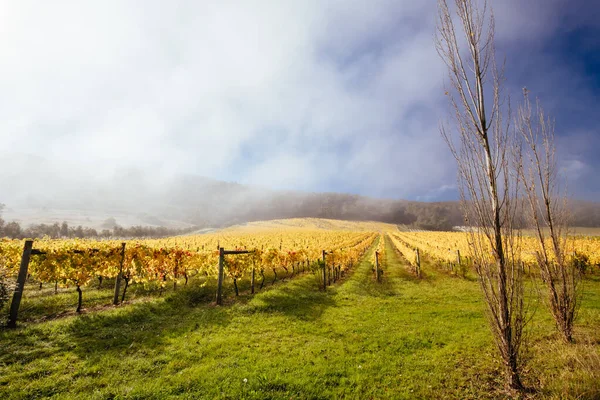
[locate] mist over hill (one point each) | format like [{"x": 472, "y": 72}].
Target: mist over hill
[{"x": 37, "y": 191}]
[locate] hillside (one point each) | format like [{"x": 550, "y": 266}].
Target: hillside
[
  {"x": 402, "y": 338},
  {"x": 134, "y": 198}
]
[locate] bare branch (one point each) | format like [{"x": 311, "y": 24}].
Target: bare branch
[
  {"x": 547, "y": 214},
  {"x": 489, "y": 187}
]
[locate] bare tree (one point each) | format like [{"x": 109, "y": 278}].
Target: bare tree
[
  {"x": 548, "y": 214},
  {"x": 489, "y": 188}
]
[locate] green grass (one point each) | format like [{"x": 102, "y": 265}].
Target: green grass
[
  {"x": 403, "y": 338},
  {"x": 41, "y": 304}
]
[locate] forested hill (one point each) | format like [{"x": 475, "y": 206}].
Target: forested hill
[
  {"x": 225, "y": 203},
  {"x": 195, "y": 201},
  {"x": 219, "y": 203},
  {"x": 133, "y": 199}
]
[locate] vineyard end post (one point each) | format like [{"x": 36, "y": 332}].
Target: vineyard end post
[
  {"x": 220, "y": 278},
  {"x": 16, "y": 300},
  {"x": 252, "y": 279},
  {"x": 324, "y": 271},
  {"x": 118, "y": 280},
  {"x": 377, "y": 265}
]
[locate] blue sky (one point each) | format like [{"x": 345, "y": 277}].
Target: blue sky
[
  {"x": 342, "y": 96},
  {"x": 562, "y": 68}
]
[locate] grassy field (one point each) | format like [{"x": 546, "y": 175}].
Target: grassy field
[{"x": 403, "y": 338}]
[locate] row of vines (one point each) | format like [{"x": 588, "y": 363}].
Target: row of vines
[
  {"x": 452, "y": 248},
  {"x": 77, "y": 263}
]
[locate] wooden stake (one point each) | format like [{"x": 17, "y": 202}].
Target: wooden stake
[
  {"x": 324, "y": 271},
  {"x": 252, "y": 279},
  {"x": 16, "y": 300},
  {"x": 118, "y": 280},
  {"x": 220, "y": 279},
  {"x": 377, "y": 266}
]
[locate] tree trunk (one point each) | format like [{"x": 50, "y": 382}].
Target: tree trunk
[
  {"x": 80, "y": 299},
  {"x": 235, "y": 286},
  {"x": 100, "y": 282},
  {"x": 126, "y": 279},
  {"x": 514, "y": 381},
  {"x": 118, "y": 280},
  {"x": 485, "y": 172},
  {"x": 162, "y": 287},
  {"x": 505, "y": 322},
  {"x": 262, "y": 282},
  {"x": 275, "y": 272}
]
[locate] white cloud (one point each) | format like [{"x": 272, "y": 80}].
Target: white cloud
[
  {"x": 573, "y": 169},
  {"x": 291, "y": 94}
]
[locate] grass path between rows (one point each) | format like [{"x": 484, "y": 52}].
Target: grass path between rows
[{"x": 402, "y": 338}]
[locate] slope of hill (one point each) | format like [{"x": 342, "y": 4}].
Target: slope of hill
[{"x": 132, "y": 197}]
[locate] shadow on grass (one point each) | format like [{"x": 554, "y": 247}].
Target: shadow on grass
[
  {"x": 441, "y": 269},
  {"x": 299, "y": 299},
  {"x": 431, "y": 269},
  {"x": 363, "y": 282},
  {"x": 592, "y": 277},
  {"x": 399, "y": 266},
  {"x": 141, "y": 326},
  {"x": 151, "y": 322},
  {"x": 43, "y": 305},
  {"x": 148, "y": 325}
]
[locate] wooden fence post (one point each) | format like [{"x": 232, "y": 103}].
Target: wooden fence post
[
  {"x": 16, "y": 300},
  {"x": 418, "y": 263},
  {"x": 377, "y": 266},
  {"x": 252, "y": 279},
  {"x": 119, "y": 276},
  {"x": 458, "y": 260},
  {"x": 220, "y": 278},
  {"x": 324, "y": 271}
]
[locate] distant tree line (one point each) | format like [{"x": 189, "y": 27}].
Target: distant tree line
[
  {"x": 435, "y": 216},
  {"x": 216, "y": 209},
  {"x": 14, "y": 230}
]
